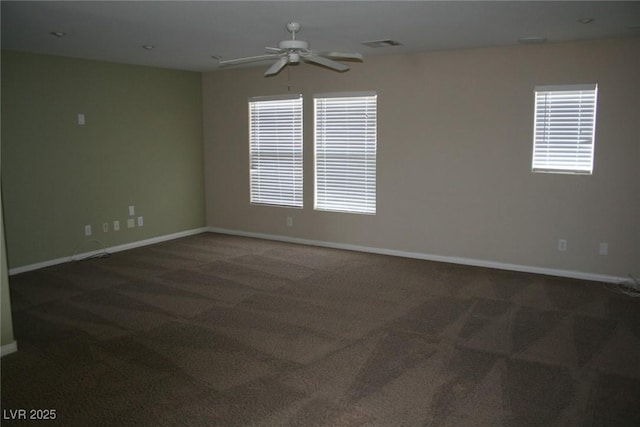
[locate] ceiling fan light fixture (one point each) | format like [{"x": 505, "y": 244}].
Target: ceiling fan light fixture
[{"x": 294, "y": 58}]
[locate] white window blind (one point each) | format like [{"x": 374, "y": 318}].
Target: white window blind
[
  {"x": 564, "y": 128},
  {"x": 275, "y": 139},
  {"x": 345, "y": 152}
]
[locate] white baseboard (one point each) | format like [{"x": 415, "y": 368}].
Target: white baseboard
[
  {"x": 8, "y": 349},
  {"x": 118, "y": 248},
  {"x": 417, "y": 255},
  {"x": 430, "y": 257}
]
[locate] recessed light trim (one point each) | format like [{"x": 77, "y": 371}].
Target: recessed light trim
[
  {"x": 381, "y": 43},
  {"x": 58, "y": 33},
  {"x": 532, "y": 40},
  {"x": 586, "y": 20},
  {"x": 148, "y": 46}
]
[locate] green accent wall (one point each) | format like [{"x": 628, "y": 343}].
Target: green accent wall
[
  {"x": 141, "y": 145},
  {"x": 6, "y": 321}
]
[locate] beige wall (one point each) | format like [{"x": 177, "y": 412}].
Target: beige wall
[{"x": 454, "y": 153}]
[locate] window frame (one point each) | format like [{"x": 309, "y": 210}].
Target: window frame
[
  {"x": 276, "y": 174},
  {"x": 331, "y": 169},
  {"x": 564, "y": 129}
]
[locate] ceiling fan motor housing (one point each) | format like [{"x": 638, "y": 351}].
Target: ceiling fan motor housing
[{"x": 293, "y": 45}]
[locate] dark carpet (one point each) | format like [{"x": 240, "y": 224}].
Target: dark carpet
[{"x": 216, "y": 330}]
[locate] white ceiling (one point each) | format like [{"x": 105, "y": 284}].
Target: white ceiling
[{"x": 187, "y": 33}]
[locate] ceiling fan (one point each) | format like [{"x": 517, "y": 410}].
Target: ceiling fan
[{"x": 291, "y": 51}]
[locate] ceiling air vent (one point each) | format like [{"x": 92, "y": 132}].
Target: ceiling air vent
[{"x": 381, "y": 43}]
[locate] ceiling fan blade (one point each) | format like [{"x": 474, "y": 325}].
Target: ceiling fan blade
[
  {"x": 326, "y": 62},
  {"x": 275, "y": 68},
  {"x": 228, "y": 62},
  {"x": 274, "y": 49},
  {"x": 341, "y": 55}
]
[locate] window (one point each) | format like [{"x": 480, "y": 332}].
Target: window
[
  {"x": 345, "y": 152},
  {"x": 275, "y": 145},
  {"x": 564, "y": 128}
]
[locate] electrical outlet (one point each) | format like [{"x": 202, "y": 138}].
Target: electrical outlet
[
  {"x": 116, "y": 225},
  {"x": 562, "y": 245},
  {"x": 634, "y": 284},
  {"x": 87, "y": 230},
  {"x": 289, "y": 221},
  {"x": 140, "y": 221},
  {"x": 105, "y": 227}
]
